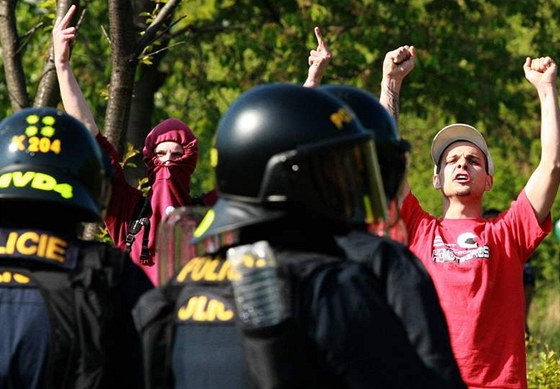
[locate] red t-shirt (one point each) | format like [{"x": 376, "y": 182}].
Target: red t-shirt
[{"x": 477, "y": 269}]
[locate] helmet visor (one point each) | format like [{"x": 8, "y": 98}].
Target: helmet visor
[
  {"x": 342, "y": 183},
  {"x": 173, "y": 242}
]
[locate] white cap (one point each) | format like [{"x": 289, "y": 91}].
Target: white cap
[{"x": 459, "y": 132}]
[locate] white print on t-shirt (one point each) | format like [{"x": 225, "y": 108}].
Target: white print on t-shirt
[{"x": 464, "y": 250}]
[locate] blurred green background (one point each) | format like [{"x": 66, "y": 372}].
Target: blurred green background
[{"x": 468, "y": 69}]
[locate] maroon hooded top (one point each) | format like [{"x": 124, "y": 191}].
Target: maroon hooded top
[{"x": 169, "y": 183}]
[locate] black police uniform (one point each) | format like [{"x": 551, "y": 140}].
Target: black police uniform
[
  {"x": 350, "y": 325},
  {"x": 410, "y": 293},
  {"x": 65, "y": 313},
  {"x": 65, "y": 303}
]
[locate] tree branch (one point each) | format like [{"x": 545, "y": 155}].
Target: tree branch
[
  {"x": 123, "y": 62},
  {"x": 152, "y": 30}
]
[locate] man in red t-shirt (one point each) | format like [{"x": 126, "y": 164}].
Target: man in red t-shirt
[{"x": 477, "y": 264}]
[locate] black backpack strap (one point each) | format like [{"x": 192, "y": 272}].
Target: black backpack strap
[
  {"x": 64, "y": 352},
  {"x": 111, "y": 355},
  {"x": 281, "y": 356},
  {"x": 85, "y": 312},
  {"x": 78, "y": 306},
  {"x": 154, "y": 316},
  {"x": 141, "y": 218}
]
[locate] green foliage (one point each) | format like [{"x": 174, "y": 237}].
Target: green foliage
[
  {"x": 543, "y": 366},
  {"x": 127, "y": 162},
  {"x": 544, "y": 315},
  {"x": 128, "y": 156},
  {"x": 102, "y": 235}
]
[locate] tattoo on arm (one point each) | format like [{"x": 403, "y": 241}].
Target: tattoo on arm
[{"x": 393, "y": 101}]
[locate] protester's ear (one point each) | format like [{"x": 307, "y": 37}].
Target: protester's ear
[
  {"x": 436, "y": 181},
  {"x": 489, "y": 182}
]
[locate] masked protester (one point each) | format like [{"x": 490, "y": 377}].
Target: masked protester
[
  {"x": 64, "y": 303},
  {"x": 170, "y": 154},
  {"x": 274, "y": 299}
]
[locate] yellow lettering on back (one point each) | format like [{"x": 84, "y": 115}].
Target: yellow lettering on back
[
  {"x": 42, "y": 246},
  {"x": 27, "y": 243},
  {"x": 211, "y": 310},
  {"x": 182, "y": 276},
  {"x": 185, "y": 313},
  {"x": 224, "y": 314},
  {"x": 21, "y": 279},
  {"x": 7, "y": 277},
  {"x": 210, "y": 270},
  {"x": 56, "y": 249},
  {"x": 200, "y": 312},
  {"x": 227, "y": 271},
  {"x": 203, "y": 309},
  {"x": 206, "y": 269},
  {"x": 197, "y": 272},
  {"x": 31, "y": 243},
  {"x": 9, "y": 248}
]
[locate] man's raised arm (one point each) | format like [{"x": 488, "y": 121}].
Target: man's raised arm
[
  {"x": 70, "y": 92},
  {"x": 396, "y": 65},
  {"x": 542, "y": 187}
]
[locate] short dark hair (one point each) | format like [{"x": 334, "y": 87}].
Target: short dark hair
[
  {"x": 490, "y": 212},
  {"x": 486, "y": 167}
]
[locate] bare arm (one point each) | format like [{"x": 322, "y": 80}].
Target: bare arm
[
  {"x": 396, "y": 65},
  {"x": 72, "y": 97},
  {"x": 318, "y": 61},
  {"x": 542, "y": 187}
]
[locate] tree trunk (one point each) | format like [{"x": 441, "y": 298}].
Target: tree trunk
[
  {"x": 47, "y": 91},
  {"x": 13, "y": 68},
  {"x": 124, "y": 62},
  {"x": 148, "y": 82}
]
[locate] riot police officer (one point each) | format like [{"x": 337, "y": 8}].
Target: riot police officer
[
  {"x": 64, "y": 303},
  {"x": 296, "y": 175}
]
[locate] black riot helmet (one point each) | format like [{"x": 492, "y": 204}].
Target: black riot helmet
[
  {"x": 48, "y": 157},
  {"x": 391, "y": 150},
  {"x": 289, "y": 147}
]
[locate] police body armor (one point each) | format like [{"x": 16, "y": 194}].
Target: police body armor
[
  {"x": 78, "y": 281},
  {"x": 194, "y": 316}
]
